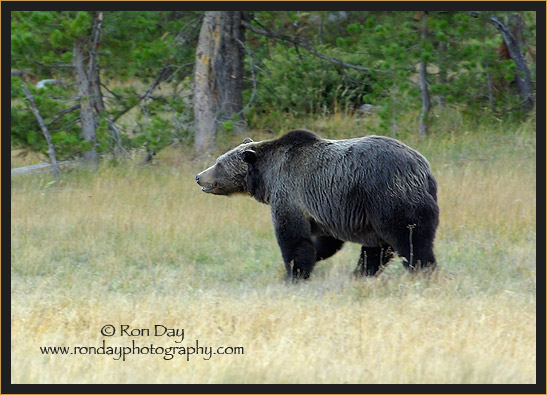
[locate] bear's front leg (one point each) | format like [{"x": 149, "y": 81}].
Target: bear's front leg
[{"x": 293, "y": 235}]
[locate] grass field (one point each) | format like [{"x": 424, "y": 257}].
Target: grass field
[{"x": 134, "y": 247}]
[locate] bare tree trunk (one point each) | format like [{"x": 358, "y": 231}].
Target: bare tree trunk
[
  {"x": 228, "y": 64},
  {"x": 87, "y": 118},
  {"x": 443, "y": 75},
  {"x": 45, "y": 131},
  {"x": 87, "y": 76},
  {"x": 204, "y": 86},
  {"x": 93, "y": 69},
  {"x": 218, "y": 76},
  {"x": 424, "y": 91},
  {"x": 522, "y": 76},
  {"x": 95, "y": 81}
]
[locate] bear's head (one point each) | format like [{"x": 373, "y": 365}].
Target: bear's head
[{"x": 229, "y": 173}]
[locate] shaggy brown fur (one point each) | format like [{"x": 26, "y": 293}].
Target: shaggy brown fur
[{"x": 373, "y": 190}]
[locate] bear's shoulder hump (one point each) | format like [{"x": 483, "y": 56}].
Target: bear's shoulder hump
[{"x": 300, "y": 136}]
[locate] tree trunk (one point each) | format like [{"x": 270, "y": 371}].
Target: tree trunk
[
  {"x": 522, "y": 76},
  {"x": 204, "y": 87},
  {"x": 95, "y": 81},
  {"x": 228, "y": 65},
  {"x": 93, "y": 69},
  {"x": 424, "y": 90},
  {"x": 87, "y": 118},
  {"x": 443, "y": 74},
  {"x": 218, "y": 76}
]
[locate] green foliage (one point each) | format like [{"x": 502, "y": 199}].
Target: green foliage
[
  {"x": 461, "y": 52},
  {"x": 25, "y": 131},
  {"x": 310, "y": 85},
  {"x": 138, "y": 44},
  {"x": 155, "y": 136},
  {"x": 133, "y": 48},
  {"x": 228, "y": 125}
]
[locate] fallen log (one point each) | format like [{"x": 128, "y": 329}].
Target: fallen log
[{"x": 41, "y": 166}]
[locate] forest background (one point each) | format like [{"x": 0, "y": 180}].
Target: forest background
[{"x": 106, "y": 82}]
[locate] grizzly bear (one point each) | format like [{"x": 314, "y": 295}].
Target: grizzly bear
[{"x": 373, "y": 190}]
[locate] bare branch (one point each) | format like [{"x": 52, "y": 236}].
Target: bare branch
[
  {"x": 45, "y": 131},
  {"x": 112, "y": 93},
  {"x": 53, "y": 66},
  {"x": 164, "y": 73},
  {"x": 522, "y": 77},
  {"x": 253, "y": 74},
  {"x": 299, "y": 42},
  {"x": 63, "y": 112},
  {"x": 116, "y": 135}
]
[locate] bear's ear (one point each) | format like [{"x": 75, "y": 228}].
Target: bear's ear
[
  {"x": 247, "y": 140},
  {"x": 248, "y": 156}
]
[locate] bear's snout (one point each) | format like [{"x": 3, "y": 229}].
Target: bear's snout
[
  {"x": 205, "y": 181},
  {"x": 197, "y": 179}
]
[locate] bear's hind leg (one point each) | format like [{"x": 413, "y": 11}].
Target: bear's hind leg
[
  {"x": 326, "y": 246},
  {"x": 372, "y": 260},
  {"x": 417, "y": 250},
  {"x": 422, "y": 259}
]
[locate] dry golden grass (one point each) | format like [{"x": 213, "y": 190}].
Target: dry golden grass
[{"x": 142, "y": 246}]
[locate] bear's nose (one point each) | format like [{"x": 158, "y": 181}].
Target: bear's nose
[{"x": 197, "y": 177}]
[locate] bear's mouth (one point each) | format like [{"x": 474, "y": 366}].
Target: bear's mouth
[{"x": 209, "y": 188}]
